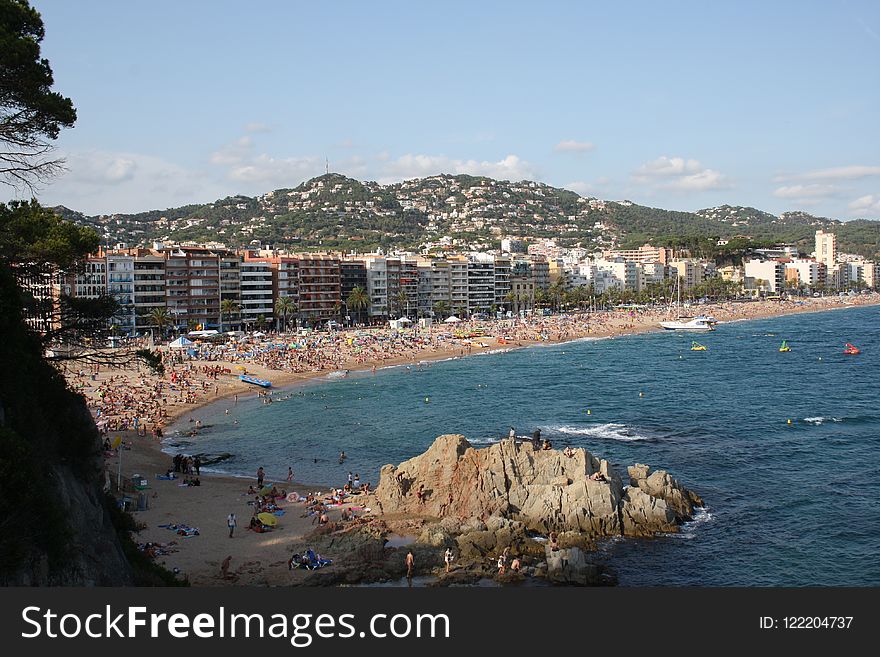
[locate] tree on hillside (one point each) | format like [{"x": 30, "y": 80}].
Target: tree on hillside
[{"x": 31, "y": 114}]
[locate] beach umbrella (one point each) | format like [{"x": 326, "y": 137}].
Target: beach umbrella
[
  {"x": 404, "y": 320},
  {"x": 180, "y": 343},
  {"x": 265, "y": 490},
  {"x": 267, "y": 519}
]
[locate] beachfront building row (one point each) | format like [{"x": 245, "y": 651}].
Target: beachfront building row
[
  {"x": 201, "y": 287},
  {"x": 777, "y": 270}
]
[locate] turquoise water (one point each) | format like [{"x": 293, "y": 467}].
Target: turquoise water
[{"x": 794, "y": 504}]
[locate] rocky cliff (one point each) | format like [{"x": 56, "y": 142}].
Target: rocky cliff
[
  {"x": 55, "y": 525},
  {"x": 545, "y": 490}
]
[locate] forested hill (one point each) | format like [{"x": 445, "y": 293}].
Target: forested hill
[{"x": 340, "y": 213}]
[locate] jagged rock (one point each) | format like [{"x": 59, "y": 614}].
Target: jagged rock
[
  {"x": 435, "y": 536},
  {"x": 660, "y": 484},
  {"x": 542, "y": 490},
  {"x": 571, "y": 566},
  {"x": 643, "y": 515}
]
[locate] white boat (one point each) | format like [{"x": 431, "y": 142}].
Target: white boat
[
  {"x": 700, "y": 323},
  {"x": 695, "y": 324}
]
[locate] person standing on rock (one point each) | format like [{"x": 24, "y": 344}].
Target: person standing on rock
[
  {"x": 447, "y": 557},
  {"x": 410, "y": 564},
  {"x": 512, "y": 434}
]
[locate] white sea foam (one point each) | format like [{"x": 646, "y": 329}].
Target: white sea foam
[
  {"x": 608, "y": 431},
  {"x": 702, "y": 515},
  {"x": 821, "y": 420}
]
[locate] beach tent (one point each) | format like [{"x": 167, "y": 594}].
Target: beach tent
[
  {"x": 180, "y": 343},
  {"x": 452, "y": 319},
  {"x": 267, "y": 519},
  {"x": 404, "y": 320},
  {"x": 258, "y": 334}
]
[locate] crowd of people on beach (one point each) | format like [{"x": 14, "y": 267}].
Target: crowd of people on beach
[{"x": 140, "y": 400}]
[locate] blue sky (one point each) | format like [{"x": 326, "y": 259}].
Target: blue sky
[{"x": 674, "y": 104}]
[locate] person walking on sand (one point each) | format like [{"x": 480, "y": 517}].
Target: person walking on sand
[
  {"x": 230, "y": 522},
  {"x": 260, "y": 475}
]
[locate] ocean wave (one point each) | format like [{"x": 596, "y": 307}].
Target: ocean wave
[
  {"x": 822, "y": 420},
  {"x": 702, "y": 515},
  {"x": 608, "y": 431}
]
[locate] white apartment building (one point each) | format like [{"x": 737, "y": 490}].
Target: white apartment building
[
  {"x": 481, "y": 285},
  {"x": 256, "y": 291},
  {"x": 503, "y": 269},
  {"x": 771, "y": 271},
  {"x": 149, "y": 288},
  {"x": 826, "y": 248},
  {"x": 458, "y": 283},
  {"x": 808, "y": 270},
  {"x": 692, "y": 272},
  {"x": 120, "y": 285},
  {"x": 377, "y": 285}
]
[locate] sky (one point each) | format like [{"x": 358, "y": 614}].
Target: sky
[{"x": 676, "y": 104}]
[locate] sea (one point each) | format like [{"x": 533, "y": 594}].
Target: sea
[{"x": 783, "y": 447}]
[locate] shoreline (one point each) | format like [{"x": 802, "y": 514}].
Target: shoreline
[
  {"x": 260, "y": 559},
  {"x": 290, "y": 380}
]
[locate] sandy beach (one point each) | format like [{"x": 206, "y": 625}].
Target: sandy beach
[{"x": 261, "y": 558}]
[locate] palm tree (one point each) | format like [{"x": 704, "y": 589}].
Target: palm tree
[
  {"x": 284, "y": 308},
  {"x": 402, "y": 300},
  {"x": 441, "y": 309},
  {"x": 557, "y": 292},
  {"x": 513, "y": 299},
  {"x": 160, "y": 317},
  {"x": 358, "y": 300},
  {"x": 228, "y": 307}
]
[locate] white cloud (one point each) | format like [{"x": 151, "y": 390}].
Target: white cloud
[
  {"x": 572, "y": 146},
  {"x": 699, "y": 182},
  {"x": 680, "y": 174},
  {"x": 667, "y": 166},
  {"x": 802, "y": 192},
  {"x": 102, "y": 182},
  {"x": 280, "y": 172},
  {"x": 866, "y": 205},
  {"x": 580, "y": 186},
  {"x": 417, "y": 166},
  {"x": 256, "y": 126},
  {"x": 235, "y": 152},
  {"x": 851, "y": 172}
]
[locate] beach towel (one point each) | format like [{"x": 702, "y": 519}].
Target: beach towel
[
  {"x": 279, "y": 513},
  {"x": 166, "y": 477}
]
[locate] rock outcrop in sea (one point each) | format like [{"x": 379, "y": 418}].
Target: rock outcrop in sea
[
  {"x": 541, "y": 490},
  {"x": 496, "y": 501}
]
